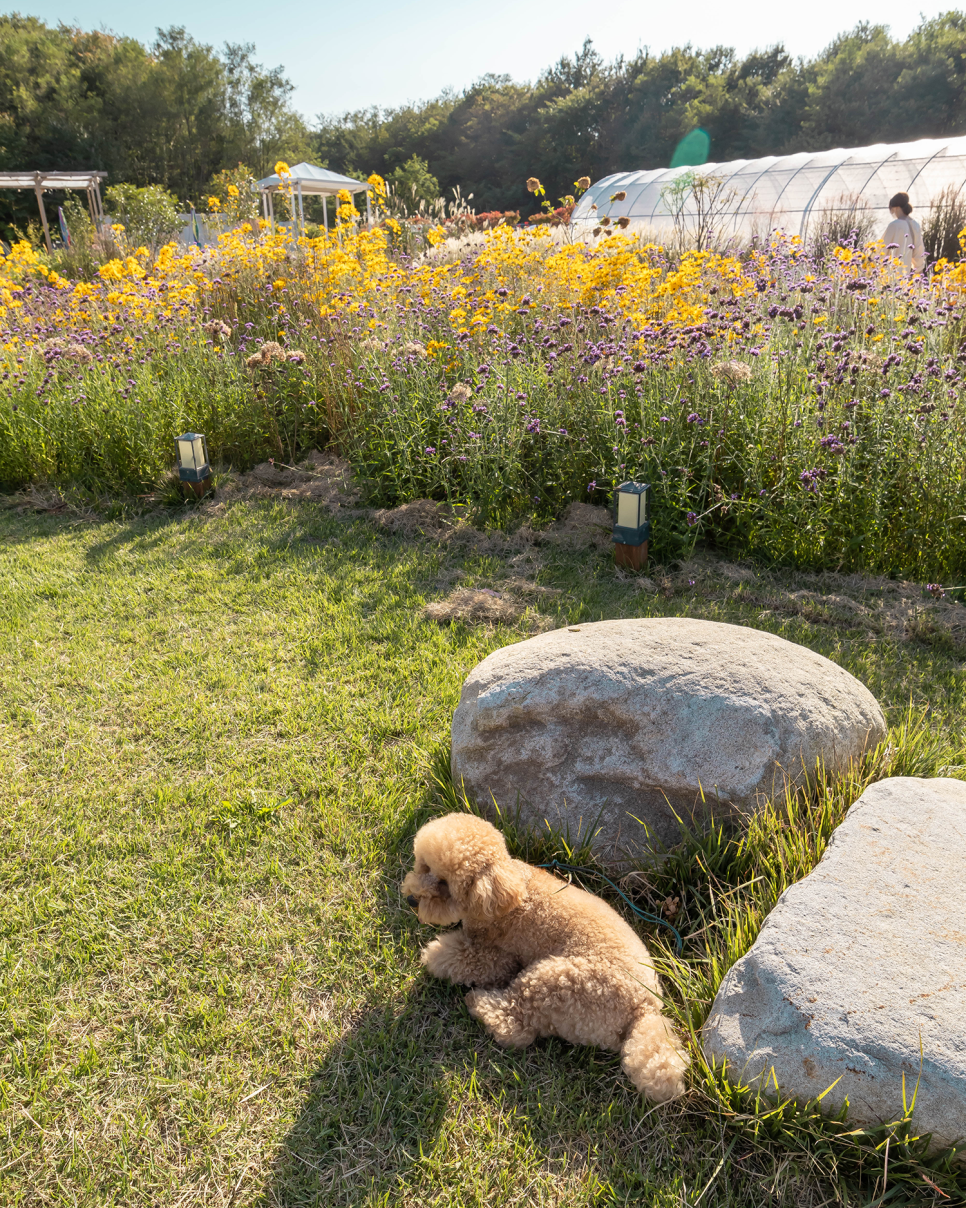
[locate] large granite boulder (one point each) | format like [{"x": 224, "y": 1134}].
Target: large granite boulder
[
  {"x": 611, "y": 729},
  {"x": 861, "y": 961}
]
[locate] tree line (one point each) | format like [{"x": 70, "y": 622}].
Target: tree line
[
  {"x": 587, "y": 116},
  {"x": 172, "y": 114},
  {"x": 177, "y": 112}
]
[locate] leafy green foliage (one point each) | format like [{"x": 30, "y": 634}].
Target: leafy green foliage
[
  {"x": 586, "y": 115},
  {"x": 176, "y": 113},
  {"x": 413, "y": 182},
  {"x": 149, "y": 215},
  {"x": 172, "y": 114}
]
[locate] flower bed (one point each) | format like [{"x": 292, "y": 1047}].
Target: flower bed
[{"x": 795, "y": 410}]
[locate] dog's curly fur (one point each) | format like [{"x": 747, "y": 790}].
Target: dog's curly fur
[{"x": 544, "y": 958}]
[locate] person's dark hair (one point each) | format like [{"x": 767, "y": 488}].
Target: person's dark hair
[{"x": 902, "y": 201}]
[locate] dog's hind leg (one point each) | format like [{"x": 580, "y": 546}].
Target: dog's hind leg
[
  {"x": 503, "y": 1017},
  {"x": 547, "y": 999},
  {"x": 456, "y": 956}
]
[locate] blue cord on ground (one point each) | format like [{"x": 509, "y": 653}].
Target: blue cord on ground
[{"x": 648, "y": 918}]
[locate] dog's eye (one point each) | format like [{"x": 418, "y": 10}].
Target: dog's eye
[
  {"x": 422, "y": 866},
  {"x": 443, "y": 885}
]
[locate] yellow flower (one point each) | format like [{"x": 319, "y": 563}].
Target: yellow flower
[
  {"x": 282, "y": 168},
  {"x": 112, "y": 271},
  {"x": 233, "y": 191},
  {"x": 214, "y": 205}
]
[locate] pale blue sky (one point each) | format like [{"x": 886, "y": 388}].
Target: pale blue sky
[{"x": 348, "y": 55}]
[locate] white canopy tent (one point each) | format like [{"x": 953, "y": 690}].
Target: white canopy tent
[
  {"x": 309, "y": 180},
  {"x": 784, "y": 191},
  {"x": 89, "y": 182}
]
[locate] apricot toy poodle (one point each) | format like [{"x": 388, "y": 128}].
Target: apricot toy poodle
[{"x": 544, "y": 958}]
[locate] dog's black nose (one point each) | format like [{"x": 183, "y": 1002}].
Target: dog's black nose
[{"x": 413, "y": 900}]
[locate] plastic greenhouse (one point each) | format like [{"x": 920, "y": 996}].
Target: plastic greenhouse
[{"x": 787, "y": 192}]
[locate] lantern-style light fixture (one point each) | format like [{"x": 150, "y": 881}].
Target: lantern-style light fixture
[
  {"x": 193, "y": 464},
  {"x": 632, "y": 524}
]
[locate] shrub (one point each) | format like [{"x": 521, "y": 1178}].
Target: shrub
[
  {"x": 149, "y": 216},
  {"x": 844, "y": 222},
  {"x": 234, "y": 194},
  {"x": 414, "y": 183}
]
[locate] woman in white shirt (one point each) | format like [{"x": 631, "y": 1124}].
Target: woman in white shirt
[{"x": 906, "y": 234}]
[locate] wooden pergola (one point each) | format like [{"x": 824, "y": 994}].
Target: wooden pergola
[{"x": 89, "y": 182}]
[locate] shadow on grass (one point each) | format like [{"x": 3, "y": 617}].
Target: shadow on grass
[
  {"x": 379, "y": 1097},
  {"x": 371, "y": 1107},
  {"x": 148, "y": 530},
  {"x": 22, "y": 526},
  {"x": 388, "y": 1115},
  {"x": 415, "y": 1104}
]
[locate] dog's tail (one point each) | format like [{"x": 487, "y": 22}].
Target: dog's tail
[{"x": 654, "y": 1058}]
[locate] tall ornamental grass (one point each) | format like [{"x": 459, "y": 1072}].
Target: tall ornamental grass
[{"x": 798, "y": 410}]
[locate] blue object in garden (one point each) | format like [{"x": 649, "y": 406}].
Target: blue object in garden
[{"x": 64, "y": 232}]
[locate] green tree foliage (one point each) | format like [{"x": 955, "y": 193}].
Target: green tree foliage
[
  {"x": 584, "y": 115},
  {"x": 173, "y": 114},
  {"x": 177, "y": 113},
  {"x": 413, "y": 182}
]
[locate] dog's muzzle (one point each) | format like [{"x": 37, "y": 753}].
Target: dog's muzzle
[{"x": 413, "y": 900}]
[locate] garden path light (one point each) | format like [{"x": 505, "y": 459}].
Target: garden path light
[
  {"x": 632, "y": 524},
  {"x": 193, "y": 466}
]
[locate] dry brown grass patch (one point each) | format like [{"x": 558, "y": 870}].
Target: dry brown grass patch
[
  {"x": 474, "y": 604},
  {"x": 322, "y": 477}
]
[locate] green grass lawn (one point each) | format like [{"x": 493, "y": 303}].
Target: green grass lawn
[{"x": 220, "y": 730}]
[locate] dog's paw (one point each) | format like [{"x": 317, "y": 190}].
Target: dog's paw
[
  {"x": 435, "y": 957},
  {"x": 477, "y": 1002},
  {"x": 654, "y": 1059}
]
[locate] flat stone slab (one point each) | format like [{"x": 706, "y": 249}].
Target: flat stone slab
[
  {"x": 861, "y": 960},
  {"x": 610, "y": 729}
]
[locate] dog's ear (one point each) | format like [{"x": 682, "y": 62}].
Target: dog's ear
[{"x": 497, "y": 889}]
